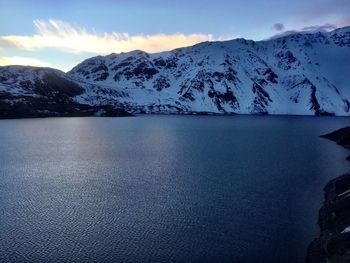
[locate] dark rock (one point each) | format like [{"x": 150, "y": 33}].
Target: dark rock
[
  {"x": 111, "y": 111},
  {"x": 100, "y": 67},
  {"x": 161, "y": 83},
  {"x": 287, "y": 60},
  {"x": 53, "y": 84},
  {"x": 333, "y": 244},
  {"x": 341, "y": 137},
  {"x": 102, "y": 77},
  {"x": 271, "y": 76},
  {"x": 313, "y": 100},
  {"x": 37, "y": 109},
  {"x": 261, "y": 100},
  {"x": 159, "y": 62}
]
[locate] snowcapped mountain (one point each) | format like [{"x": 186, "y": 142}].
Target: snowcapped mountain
[
  {"x": 295, "y": 74},
  {"x": 303, "y": 73},
  {"x": 42, "y": 92}
]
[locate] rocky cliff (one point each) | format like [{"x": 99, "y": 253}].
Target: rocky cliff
[{"x": 333, "y": 244}]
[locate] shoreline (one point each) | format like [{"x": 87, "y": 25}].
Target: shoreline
[
  {"x": 110, "y": 111},
  {"x": 63, "y": 110},
  {"x": 333, "y": 243}
]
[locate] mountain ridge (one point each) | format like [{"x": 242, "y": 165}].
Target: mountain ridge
[{"x": 297, "y": 74}]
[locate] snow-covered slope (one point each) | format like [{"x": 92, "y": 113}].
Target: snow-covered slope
[
  {"x": 303, "y": 73},
  {"x": 40, "y": 92},
  {"x": 21, "y": 81},
  {"x": 295, "y": 74}
]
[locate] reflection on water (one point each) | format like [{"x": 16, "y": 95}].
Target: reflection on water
[{"x": 163, "y": 188}]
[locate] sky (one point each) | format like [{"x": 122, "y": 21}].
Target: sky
[{"x": 61, "y": 34}]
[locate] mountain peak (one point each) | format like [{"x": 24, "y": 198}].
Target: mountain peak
[
  {"x": 301, "y": 73},
  {"x": 292, "y": 74}
]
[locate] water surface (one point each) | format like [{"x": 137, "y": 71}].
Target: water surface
[{"x": 164, "y": 188}]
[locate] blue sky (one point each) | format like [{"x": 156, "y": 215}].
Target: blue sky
[{"x": 62, "y": 33}]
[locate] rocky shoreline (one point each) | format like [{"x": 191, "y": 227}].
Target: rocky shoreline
[
  {"x": 66, "y": 109},
  {"x": 341, "y": 137},
  {"x": 333, "y": 244}
]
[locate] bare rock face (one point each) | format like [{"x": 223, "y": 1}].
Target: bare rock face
[
  {"x": 333, "y": 244},
  {"x": 341, "y": 137}
]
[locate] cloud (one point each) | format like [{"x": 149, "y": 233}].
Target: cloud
[
  {"x": 311, "y": 29},
  {"x": 278, "y": 27},
  {"x": 73, "y": 39},
  {"x": 26, "y": 61},
  {"x": 319, "y": 28}
]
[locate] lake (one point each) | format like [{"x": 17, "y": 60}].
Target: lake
[{"x": 164, "y": 188}]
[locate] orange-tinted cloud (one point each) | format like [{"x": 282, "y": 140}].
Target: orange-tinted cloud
[
  {"x": 26, "y": 61},
  {"x": 64, "y": 36}
]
